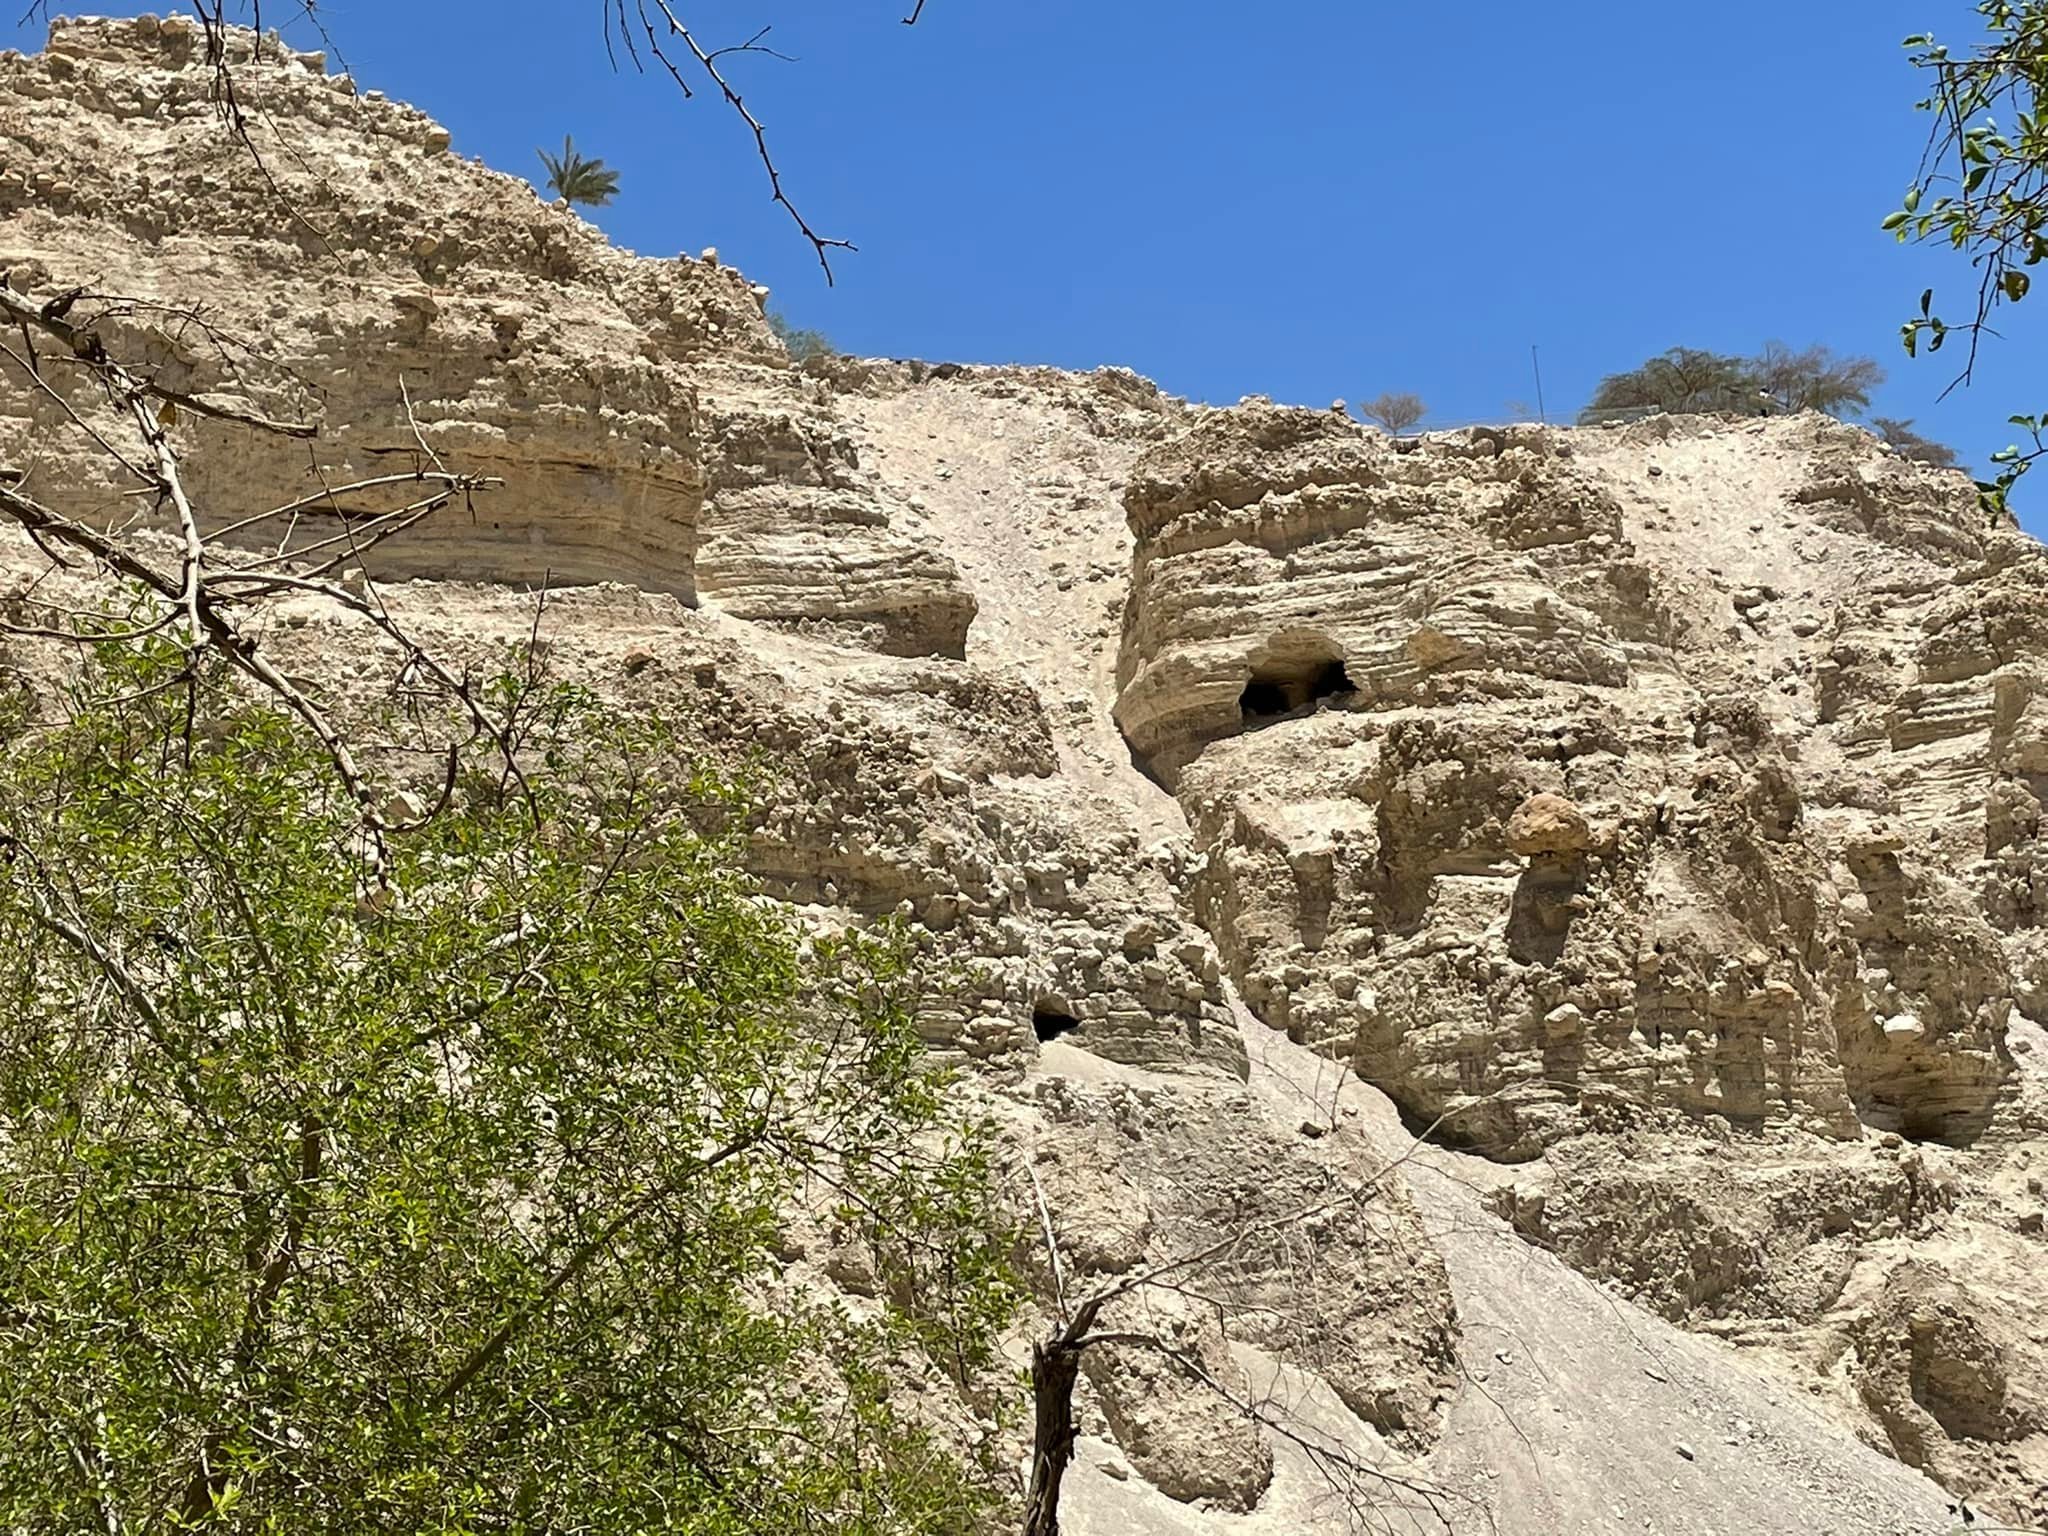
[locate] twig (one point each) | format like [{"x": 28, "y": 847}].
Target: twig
[
  {"x": 87, "y": 347},
  {"x": 487, "y": 1353},
  {"x": 820, "y": 244},
  {"x": 1052, "y": 1247}
]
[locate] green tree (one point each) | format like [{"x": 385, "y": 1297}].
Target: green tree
[
  {"x": 577, "y": 179},
  {"x": 1982, "y": 189},
  {"x": 801, "y": 345},
  {"x": 1779, "y": 379},
  {"x": 449, "y": 1200},
  {"x": 1681, "y": 380}
]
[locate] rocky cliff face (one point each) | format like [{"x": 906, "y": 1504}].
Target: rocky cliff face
[
  {"x": 613, "y": 387},
  {"x": 1546, "y": 826},
  {"x": 1654, "y": 812}
]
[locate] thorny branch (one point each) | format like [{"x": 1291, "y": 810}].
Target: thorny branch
[
  {"x": 523, "y": 1317},
  {"x": 670, "y": 28},
  {"x": 213, "y": 23},
  {"x": 206, "y": 593},
  {"x": 708, "y": 61},
  {"x": 1365, "y": 1489},
  {"x": 84, "y": 345}
]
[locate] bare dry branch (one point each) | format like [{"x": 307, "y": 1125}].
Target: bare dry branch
[
  {"x": 201, "y": 592},
  {"x": 708, "y": 62},
  {"x": 85, "y": 345},
  {"x": 1368, "y": 1491}
]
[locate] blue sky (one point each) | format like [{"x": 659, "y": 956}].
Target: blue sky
[{"x": 1309, "y": 199}]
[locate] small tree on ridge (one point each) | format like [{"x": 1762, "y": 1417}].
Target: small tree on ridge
[
  {"x": 1778, "y": 380},
  {"x": 1911, "y": 444},
  {"x": 1815, "y": 379},
  {"x": 578, "y": 178},
  {"x": 802, "y": 345},
  {"x": 1396, "y": 411}
]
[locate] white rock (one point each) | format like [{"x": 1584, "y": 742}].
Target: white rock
[{"x": 1904, "y": 1029}]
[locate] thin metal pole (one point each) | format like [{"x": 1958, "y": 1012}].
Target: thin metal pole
[{"x": 1536, "y": 363}]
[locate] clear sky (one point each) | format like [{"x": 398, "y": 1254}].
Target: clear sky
[{"x": 1309, "y": 199}]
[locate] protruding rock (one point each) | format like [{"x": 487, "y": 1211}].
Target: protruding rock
[
  {"x": 1548, "y": 826},
  {"x": 1563, "y": 1022},
  {"x": 1904, "y": 1029}
]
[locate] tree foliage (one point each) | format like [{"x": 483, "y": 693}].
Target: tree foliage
[
  {"x": 328, "y": 1211},
  {"x": 579, "y": 179},
  {"x": 1397, "y": 412},
  {"x": 1911, "y": 444},
  {"x": 1814, "y": 379},
  {"x": 802, "y": 345},
  {"x": 1685, "y": 379},
  {"x": 1982, "y": 189},
  {"x": 1779, "y": 379}
]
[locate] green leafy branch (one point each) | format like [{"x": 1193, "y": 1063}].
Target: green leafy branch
[{"x": 1982, "y": 187}]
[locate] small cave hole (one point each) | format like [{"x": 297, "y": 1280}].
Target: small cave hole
[
  {"x": 1280, "y": 689},
  {"x": 1261, "y": 698},
  {"x": 1049, "y": 1021},
  {"x": 1331, "y": 681}
]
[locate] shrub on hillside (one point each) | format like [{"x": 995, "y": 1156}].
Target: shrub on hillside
[
  {"x": 802, "y": 346},
  {"x": 449, "y": 1196}
]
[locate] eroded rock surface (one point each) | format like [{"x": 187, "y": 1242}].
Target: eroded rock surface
[
  {"x": 1543, "y": 831},
  {"x": 637, "y": 410},
  {"x": 1655, "y": 812}
]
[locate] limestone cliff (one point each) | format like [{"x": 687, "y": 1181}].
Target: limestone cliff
[
  {"x": 1358, "y": 658},
  {"x": 1654, "y": 812}
]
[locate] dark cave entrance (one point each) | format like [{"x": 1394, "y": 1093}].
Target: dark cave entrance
[
  {"x": 1280, "y": 688},
  {"x": 1050, "y": 1020}
]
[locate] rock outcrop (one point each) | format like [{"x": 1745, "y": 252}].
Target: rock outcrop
[
  {"x": 1654, "y": 814},
  {"x": 1542, "y": 831},
  {"x": 413, "y": 304}
]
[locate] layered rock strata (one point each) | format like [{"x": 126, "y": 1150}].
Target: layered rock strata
[
  {"x": 1653, "y": 812},
  {"x": 1544, "y": 832}
]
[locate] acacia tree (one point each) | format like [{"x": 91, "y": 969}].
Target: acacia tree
[
  {"x": 1683, "y": 379},
  {"x": 1396, "y": 412},
  {"x": 387, "y": 1156},
  {"x": 1913, "y": 445},
  {"x": 802, "y": 345},
  {"x": 1778, "y": 379},
  {"x": 1982, "y": 188},
  {"x": 1814, "y": 379}
]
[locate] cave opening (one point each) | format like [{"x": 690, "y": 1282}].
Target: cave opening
[
  {"x": 1049, "y": 1021},
  {"x": 1261, "y": 698},
  {"x": 1331, "y": 681},
  {"x": 1280, "y": 688}
]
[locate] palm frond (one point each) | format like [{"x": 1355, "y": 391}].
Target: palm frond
[{"x": 579, "y": 178}]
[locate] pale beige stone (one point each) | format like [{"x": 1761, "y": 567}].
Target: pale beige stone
[{"x": 1675, "y": 837}]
